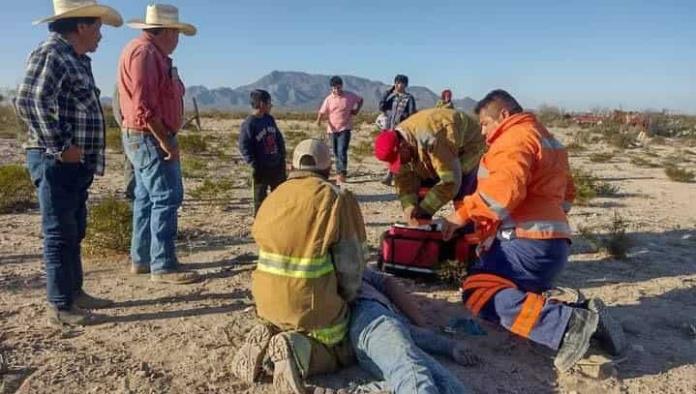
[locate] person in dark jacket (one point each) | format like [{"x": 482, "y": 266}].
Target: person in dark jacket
[
  {"x": 397, "y": 104},
  {"x": 263, "y": 147}
]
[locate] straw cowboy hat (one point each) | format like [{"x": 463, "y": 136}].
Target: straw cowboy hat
[
  {"x": 162, "y": 16},
  {"x": 63, "y": 9}
]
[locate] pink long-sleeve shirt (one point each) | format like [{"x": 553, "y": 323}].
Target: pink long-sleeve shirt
[{"x": 149, "y": 86}]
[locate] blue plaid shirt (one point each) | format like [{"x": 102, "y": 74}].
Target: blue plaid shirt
[{"x": 59, "y": 102}]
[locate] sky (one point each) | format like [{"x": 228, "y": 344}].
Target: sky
[{"x": 576, "y": 54}]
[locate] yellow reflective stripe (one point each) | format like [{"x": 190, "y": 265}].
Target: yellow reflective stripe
[
  {"x": 446, "y": 176},
  {"x": 331, "y": 335},
  {"x": 482, "y": 172},
  {"x": 295, "y": 267},
  {"x": 551, "y": 143},
  {"x": 431, "y": 203},
  {"x": 408, "y": 199}
]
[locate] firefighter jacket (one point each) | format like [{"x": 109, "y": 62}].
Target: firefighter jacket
[
  {"x": 311, "y": 240},
  {"x": 524, "y": 182},
  {"x": 447, "y": 144}
]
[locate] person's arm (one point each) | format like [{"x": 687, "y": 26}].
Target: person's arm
[
  {"x": 385, "y": 102},
  {"x": 350, "y": 247},
  {"x": 359, "y": 105},
  {"x": 445, "y": 162},
  {"x": 473, "y": 144},
  {"x": 323, "y": 110},
  {"x": 37, "y": 105},
  {"x": 246, "y": 143},
  {"x": 411, "y": 107},
  {"x": 407, "y": 183},
  {"x": 280, "y": 141},
  {"x": 569, "y": 194},
  {"x": 404, "y": 301}
]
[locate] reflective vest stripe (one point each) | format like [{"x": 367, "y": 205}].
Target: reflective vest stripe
[
  {"x": 446, "y": 176},
  {"x": 431, "y": 202},
  {"x": 551, "y": 143},
  {"x": 295, "y": 267},
  {"x": 483, "y": 287},
  {"x": 482, "y": 172},
  {"x": 331, "y": 335},
  {"x": 529, "y": 315},
  {"x": 497, "y": 208},
  {"x": 543, "y": 226}
]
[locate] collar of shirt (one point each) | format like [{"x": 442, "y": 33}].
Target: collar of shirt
[
  {"x": 149, "y": 40},
  {"x": 64, "y": 47}
]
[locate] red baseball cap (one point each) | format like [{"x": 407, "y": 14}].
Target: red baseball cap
[{"x": 387, "y": 149}]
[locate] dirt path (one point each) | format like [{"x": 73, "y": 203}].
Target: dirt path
[{"x": 167, "y": 339}]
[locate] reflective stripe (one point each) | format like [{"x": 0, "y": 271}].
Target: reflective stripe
[
  {"x": 551, "y": 143},
  {"x": 409, "y": 199},
  {"x": 529, "y": 315},
  {"x": 497, "y": 208},
  {"x": 545, "y": 226},
  {"x": 482, "y": 172},
  {"x": 483, "y": 287},
  {"x": 431, "y": 203},
  {"x": 331, "y": 335},
  {"x": 294, "y": 267},
  {"x": 446, "y": 176}
]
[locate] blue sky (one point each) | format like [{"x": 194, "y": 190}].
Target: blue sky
[{"x": 634, "y": 54}]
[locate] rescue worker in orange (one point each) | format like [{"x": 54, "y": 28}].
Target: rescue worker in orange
[{"x": 520, "y": 204}]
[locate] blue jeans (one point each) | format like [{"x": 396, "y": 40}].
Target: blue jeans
[
  {"x": 532, "y": 264},
  {"x": 159, "y": 193},
  {"x": 62, "y": 191},
  {"x": 340, "y": 142},
  {"x": 390, "y": 348}
]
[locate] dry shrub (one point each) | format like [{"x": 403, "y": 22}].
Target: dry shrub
[
  {"x": 192, "y": 143},
  {"x": 217, "y": 189},
  {"x": 192, "y": 167},
  {"x": 109, "y": 227},
  {"x": 588, "y": 186},
  {"x": 641, "y": 162},
  {"x": 678, "y": 174},
  {"x": 16, "y": 189},
  {"x": 113, "y": 140},
  {"x": 601, "y": 157},
  {"x": 611, "y": 238}
]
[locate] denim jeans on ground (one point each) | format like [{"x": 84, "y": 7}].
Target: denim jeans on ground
[
  {"x": 388, "y": 347},
  {"x": 340, "y": 142},
  {"x": 62, "y": 191},
  {"x": 159, "y": 192}
]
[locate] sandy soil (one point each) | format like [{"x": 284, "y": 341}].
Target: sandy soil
[{"x": 179, "y": 339}]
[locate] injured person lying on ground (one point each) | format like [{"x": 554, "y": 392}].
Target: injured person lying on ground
[{"x": 388, "y": 336}]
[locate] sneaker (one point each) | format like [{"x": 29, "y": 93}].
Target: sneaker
[
  {"x": 581, "y": 326},
  {"x": 136, "y": 269},
  {"x": 286, "y": 375},
  {"x": 609, "y": 333},
  {"x": 247, "y": 363},
  {"x": 85, "y": 301},
  {"x": 176, "y": 277},
  {"x": 72, "y": 317}
]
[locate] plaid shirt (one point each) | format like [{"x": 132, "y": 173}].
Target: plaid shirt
[{"x": 59, "y": 102}]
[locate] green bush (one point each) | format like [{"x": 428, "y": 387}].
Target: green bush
[
  {"x": 192, "y": 143},
  {"x": 16, "y": 189},
  {"x": 588, "y": 186},
  {"x": 109, "y": 227},
  {"x": 192, "y": 167},
  {"x": 611, "y": 238},
  {"x": 678, "y": 174},
  {"x": 218, "y": 189}
]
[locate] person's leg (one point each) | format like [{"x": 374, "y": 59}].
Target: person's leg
[
  {"x": 140, "y": 156},
  {"x": 278, "y": 176},
  {"x": 129, "y": 179},
  {"x": 385, "y": 348},
  {"x": 84, "y": 181},
  {"x": 334, "y": 147},
  {"x": 162, "y": 180},
  {"x": 56, "y": 185},
  {"x": 343, "y": 141}
]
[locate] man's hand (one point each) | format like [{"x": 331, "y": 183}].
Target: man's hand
[
  {"x": 450, "y": 224},
  {"x": 354, "y": 112},
  {"x": 72, "y": 154},
  {"x": 464, "y": 356},
  {"x": 416, "y": 216},
  {"x": 171, "y": 152}
]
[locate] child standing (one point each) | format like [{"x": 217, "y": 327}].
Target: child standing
[{"x": 263, "y": 147}]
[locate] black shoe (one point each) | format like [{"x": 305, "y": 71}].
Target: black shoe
[
  {"x": 581, "y": 326},
  {"x": 85, "y": 301},
  {"x": 609, "y": 333}
]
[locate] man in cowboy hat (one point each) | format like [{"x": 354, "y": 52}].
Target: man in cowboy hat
[
  {"x": 151, "y": 101},
  {"x": 59, "y": 102}
]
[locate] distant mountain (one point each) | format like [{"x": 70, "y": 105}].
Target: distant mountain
[{"x": 292, "y": 90}]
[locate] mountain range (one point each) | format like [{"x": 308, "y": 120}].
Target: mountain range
[{"x": 299, "y": 91}]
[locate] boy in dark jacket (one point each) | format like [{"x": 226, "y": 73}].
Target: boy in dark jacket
[{"x": 263, "y": 147}]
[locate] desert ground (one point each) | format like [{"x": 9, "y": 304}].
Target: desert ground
[{"x": 180, "y": 339}]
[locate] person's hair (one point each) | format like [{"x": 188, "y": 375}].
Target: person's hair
[
  {"x": 335, "y": 81},
  {"x": 69, "y": 25},
  {"x": 401, "y": 78},
  {"x": 258, "y": 96},
  {"x": 498, "y": 100},
  {"x": 155, "y": 31}
]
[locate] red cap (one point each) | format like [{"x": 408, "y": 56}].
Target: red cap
[{"x": 387, "y": 149}]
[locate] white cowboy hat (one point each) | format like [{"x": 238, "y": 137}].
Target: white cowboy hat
[
  {"x": 162, "y": 16},
  {"x": 63, "y": 9}
]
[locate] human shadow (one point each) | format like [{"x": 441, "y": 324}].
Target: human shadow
[
  {"x": 376, "y": 197},
  {"x": 237, "y": 301},
  {"x": 13, "y": 259},
  {"x": 192, "y": 297},
  {"x": 651, "y": 255}
]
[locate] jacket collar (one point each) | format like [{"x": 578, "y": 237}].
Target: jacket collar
[
  {"x": 298, "y": 174},
  {"x": 523, "y": 117}
]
